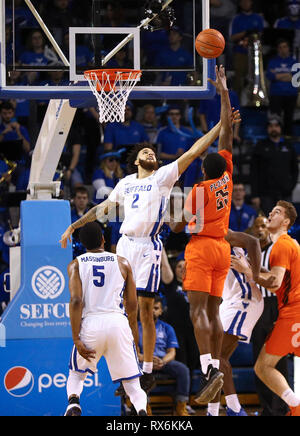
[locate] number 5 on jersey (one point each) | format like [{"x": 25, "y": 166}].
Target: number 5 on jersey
[{"x": 99, "y": 276}]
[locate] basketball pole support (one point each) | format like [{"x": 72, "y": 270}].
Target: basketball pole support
[{"x": 48, "y": 149}]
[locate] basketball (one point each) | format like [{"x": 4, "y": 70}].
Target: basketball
[{"x": 210, "y": 43}]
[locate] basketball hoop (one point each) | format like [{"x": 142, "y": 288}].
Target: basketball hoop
[{"x": 112, "y": 88}]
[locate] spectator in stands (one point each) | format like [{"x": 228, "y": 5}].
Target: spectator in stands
[
  {"x": 292, "y": 19},
  {"x": 80, "y": 204},
  {"x": 178, "y": 311},
  {"x": 121, "y": 59},
  {"x": 209, "y": 113},
  {"x": 114, "y": 17},
  {"x": 171, "y": 143},
  {"x": 84, "y": 55},
  {"x": 106, "y": 176},
  {"x": 283, "y": 95},
  {"x": 243, "y": 24},
  {"x": 152, "y": 43},
  {"x": 59, "y": 18},
  {"x": 274, "y": 169},
  {"x": 11, "y": 130},
  {"x": 271, "y": 404},
  {"x": 70, "y": 159},
  {"x": 174, "y": 56},
  {"x": 22, "y": 15},
  {"x": 91, "y": 133},
  {"x": 242, "y": 215},
  {"x": 35, "y": 50},
  {"x": 164, "y": 358},
  {"x": 5, "y": 179},
  {"x": 150, "y": 122},
  {"x": 129, "y": 132},
  {"x": 104, "y": 180},
  {"x": 221, "y": 15}
]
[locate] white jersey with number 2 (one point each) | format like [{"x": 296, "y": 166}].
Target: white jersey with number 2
[{"x": 145, "y": 200}]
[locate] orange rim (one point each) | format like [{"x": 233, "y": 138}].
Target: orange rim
[{"x": 112, "y": 73}]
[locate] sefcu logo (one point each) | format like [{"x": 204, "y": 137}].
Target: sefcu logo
[
  {"x": 48, "y": 283},
  {"x": 18, "y": 381}
]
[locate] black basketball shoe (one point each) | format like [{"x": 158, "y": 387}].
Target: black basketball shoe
[
  {"x": 211, "y": 385},
  {"x": 147, "y": 382},
  {"x": 73, "y": 408}
]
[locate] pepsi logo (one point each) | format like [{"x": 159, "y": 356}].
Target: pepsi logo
[{"x": 18, "y": 381}]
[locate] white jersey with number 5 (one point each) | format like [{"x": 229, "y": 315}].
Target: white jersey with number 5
[
  {"x": 145, "y": 200},
  {"x": 102, "y": 283}
]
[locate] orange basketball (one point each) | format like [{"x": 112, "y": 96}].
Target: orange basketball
[{"x": 210, "y": 43}]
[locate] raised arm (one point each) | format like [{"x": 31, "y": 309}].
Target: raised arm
[
  {"x": 226, "y": 132},
  {"x": 202, "y": 144},
  {"x": 198, "y": 148},
  {"x": 96, "y": 213}
]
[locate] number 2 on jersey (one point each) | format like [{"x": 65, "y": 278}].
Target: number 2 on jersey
[
  {"x": 135, "y": 200},
  {"x": 100, "y": 276}
]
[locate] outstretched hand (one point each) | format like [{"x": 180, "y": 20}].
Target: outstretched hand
[
  {"x": 236, "y": 116},
  {"x": 221, "y": 82},
  {"x": 66, "y": 237}
]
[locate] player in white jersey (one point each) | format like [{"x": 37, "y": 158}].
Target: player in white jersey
[
  {"x": 145, "y": 195},
  {"x": 98, "y": 281},
  {"x": 241, "y": 308}
]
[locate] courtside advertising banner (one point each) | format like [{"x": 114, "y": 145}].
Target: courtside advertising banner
[
  {"x": 40, "y": 308},
  {"x": 33, "y": 378}
]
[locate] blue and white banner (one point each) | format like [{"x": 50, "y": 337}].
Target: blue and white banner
[
  {"x": 40, "y": 308},
  {"x": 33, "y": 378}
]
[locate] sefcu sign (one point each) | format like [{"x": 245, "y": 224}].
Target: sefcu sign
[
  {"x": 35, "y": 333},
  {"x": 40, "y": 308},
  {"x": 48, "y": 284},
  {"x": 44, "y": 310}
]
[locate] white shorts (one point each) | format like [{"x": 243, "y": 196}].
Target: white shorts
[
  {"x": 240, "y": 316},
  {"x": 110, "y": 336},
  {"x": 144, "y": 256}
]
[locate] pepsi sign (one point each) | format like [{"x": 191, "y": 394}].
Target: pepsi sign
[
  {"x": 33, "y": 381},
  {"x": 18, "y": 381}
]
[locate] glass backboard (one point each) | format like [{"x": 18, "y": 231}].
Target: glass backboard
[{"x": 46, "y": 45}]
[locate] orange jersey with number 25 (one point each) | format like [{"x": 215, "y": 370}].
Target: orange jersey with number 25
[{"x": 217, "y": 195}]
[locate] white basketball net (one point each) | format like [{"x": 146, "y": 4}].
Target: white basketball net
[{"x": 112, "y": 102}]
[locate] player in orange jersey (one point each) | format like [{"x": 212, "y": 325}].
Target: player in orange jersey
[
  {"x": 285, "y": 337},
  {"x": 207, "y": 254}
]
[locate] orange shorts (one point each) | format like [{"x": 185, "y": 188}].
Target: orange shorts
[
  {"x": 207, "y": 265},
  {"x": 285, "y": 337}
]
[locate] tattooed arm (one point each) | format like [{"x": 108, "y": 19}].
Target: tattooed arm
[{"x": 96, "y": 213}]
